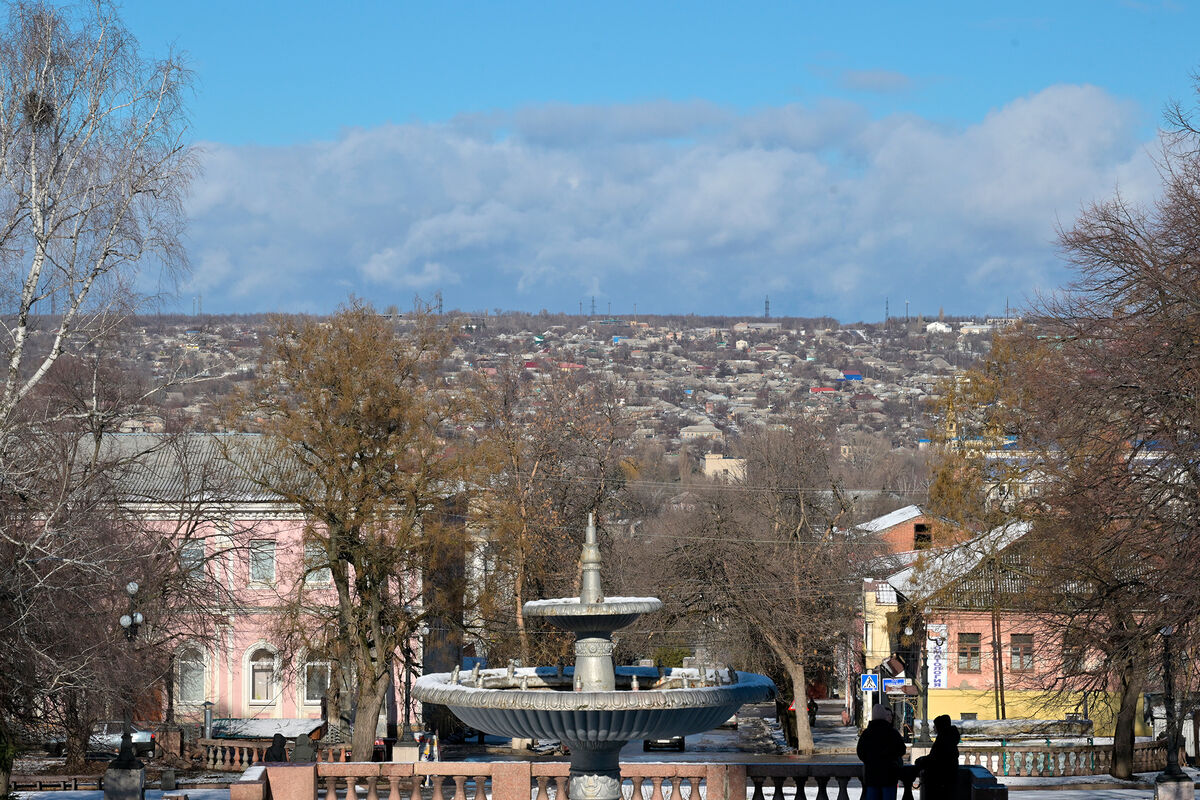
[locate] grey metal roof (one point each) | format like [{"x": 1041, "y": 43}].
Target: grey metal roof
[{"x": 154, "y": 468}]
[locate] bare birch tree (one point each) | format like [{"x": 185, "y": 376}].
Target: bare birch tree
[{"x": 93, "y": 168}]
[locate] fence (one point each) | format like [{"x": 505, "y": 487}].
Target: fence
[
  {"x": 235, "y": 755},
  {"x": 1058, "y": 760}
]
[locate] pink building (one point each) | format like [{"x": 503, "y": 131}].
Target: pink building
[{"x": 248, "y": 553}]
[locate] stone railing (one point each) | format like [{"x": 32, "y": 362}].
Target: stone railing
[
  {"x": 522, "y": 780},
  {"x": 1034, "y": 760},
  {"x": 235, "y": 755}
]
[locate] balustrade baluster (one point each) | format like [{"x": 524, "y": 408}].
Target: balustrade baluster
[
  {"x": 843, "y": 782},
  {"x": 210, "y": 756},
  {"x": 437, "y": 787},
  {"x": 656, "y": 788},
  {"x": 331, "y": 786},
  {"x": 480, "y": 787},
  {"x": 393, "y": 787},
  {"x": 460, "y": 787},
  {"x": 351, "y": 787},
  {"x": 907, "y": 794},
  {"x": 822, "y": 782},
  {"x": 542, "y": 794},
  {"x": 563, "y": 786},
  {"x": 758, "y": 788},
  {"x": 372, "y": 789},
  {"x": 778, "y": 788},
  {"x": 414, "y": 792}
]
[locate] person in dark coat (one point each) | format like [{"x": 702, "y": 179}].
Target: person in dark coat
[
  {"x": 881, "y": 749},
  {"x": 304, "y": 752},
  {"x": 278, "y": 750},
  {"x": 939, "y": 769}
]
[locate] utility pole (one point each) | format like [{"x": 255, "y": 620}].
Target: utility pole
[{"x": 906, "y": 311}]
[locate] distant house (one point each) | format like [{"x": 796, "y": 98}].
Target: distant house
[
  {"x": 700, "y": 431},
  {"x": 719, "y": 466},
  {"x": 902, "y": 530}
]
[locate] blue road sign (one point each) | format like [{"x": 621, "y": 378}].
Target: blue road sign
[
  {"x": 870, "y": 682},
  {"x": 893, "y": 684}
]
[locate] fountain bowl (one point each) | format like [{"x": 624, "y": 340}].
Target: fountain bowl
[{"x": 680, "y": 702}]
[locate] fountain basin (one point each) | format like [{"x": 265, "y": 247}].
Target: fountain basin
[
  {"x": 579, "y": 718},
  {"x": 608, "y": 614}
]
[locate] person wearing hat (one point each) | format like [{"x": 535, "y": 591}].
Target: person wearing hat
[{"x": 881, "y": 749}]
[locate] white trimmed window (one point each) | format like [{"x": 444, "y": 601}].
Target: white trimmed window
[
  {"x": 189, "y": 686},
  {"x": 262, "y": 676},
  {"x": 191, "y": 560},
  {"x": 316, "y": 681},
  {"x": 262, "y": 561},
  {"x": 316, "y": 565}
]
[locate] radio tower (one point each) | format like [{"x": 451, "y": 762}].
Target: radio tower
[
  {"x": 593, "y": 305},
  {"x": 767, "y": 307}
]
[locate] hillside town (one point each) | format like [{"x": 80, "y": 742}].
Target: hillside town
[{"x": 683, "y": 379}]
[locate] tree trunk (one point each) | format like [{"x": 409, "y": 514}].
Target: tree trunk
[
  {"x": 366, "y": 717},
  {"x": 1131, "y": 690},
  {"x": 75, "y": 733},
  {"x": 8, "y": 750},
  {"x": 804, "y": 738}
]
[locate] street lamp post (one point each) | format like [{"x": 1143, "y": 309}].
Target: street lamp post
[
  {"x": 1172, "y": 772},
  {"x": 126, "y": 759}
]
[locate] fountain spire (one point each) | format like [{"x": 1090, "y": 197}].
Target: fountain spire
[{"x": 590, "y": 591}]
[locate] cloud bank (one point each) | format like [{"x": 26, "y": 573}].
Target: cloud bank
[{"x": 676, "y": 207}]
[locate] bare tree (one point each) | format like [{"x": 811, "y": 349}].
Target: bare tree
[
  {"x": 772, "y": 564},
  {"x": 93, "y": 168},
  {"x": 550, "y": 452},
  {"x": 360, "y": 435}
]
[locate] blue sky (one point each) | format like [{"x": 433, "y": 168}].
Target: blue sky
[{"x": 684, "y": 157}]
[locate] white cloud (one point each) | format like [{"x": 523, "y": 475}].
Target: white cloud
[{"x": 674, "y": 206}]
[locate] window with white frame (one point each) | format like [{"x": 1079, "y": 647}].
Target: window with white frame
[
  {"x": 189, "y": 686},
  {"x": 262, "y": 561},
  {"x": 316, "y": 565},
  {"x": 191, "y": 560},
  {"x": 262, "y": 676},
  {"x": 316, "y": 681}
]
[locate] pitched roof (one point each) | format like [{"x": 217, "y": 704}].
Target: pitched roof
[
  {"x": 890, "y": 519},
  {"x": 942, "y": 567}
]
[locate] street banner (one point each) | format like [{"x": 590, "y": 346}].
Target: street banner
[{"x": 938, "y": 645}]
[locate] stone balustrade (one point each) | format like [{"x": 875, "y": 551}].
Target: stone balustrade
[
  {"x": 235, "y": 755},
  {"x": 1040, "y": 760},
  {"x": 523, "y": 780}
]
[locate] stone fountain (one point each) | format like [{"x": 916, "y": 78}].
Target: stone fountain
[{"x": 593, "y": 708}]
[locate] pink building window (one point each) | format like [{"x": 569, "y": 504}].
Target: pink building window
[
  {"x": 262, "y": 561},
  {"x": 190, "y": 686},
  {"x": 262, "y": 676},
  {"x": 316, "y": 681},
  {"x": 1022, "y": 652}
]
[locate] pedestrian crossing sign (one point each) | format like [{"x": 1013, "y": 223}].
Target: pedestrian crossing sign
[{"x": 870, "y": 682}]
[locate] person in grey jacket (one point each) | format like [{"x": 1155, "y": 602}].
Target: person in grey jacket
[{"x": 881, "y": 749}]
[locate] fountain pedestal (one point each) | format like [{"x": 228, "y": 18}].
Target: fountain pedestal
[{"x": 596, "y": 771}]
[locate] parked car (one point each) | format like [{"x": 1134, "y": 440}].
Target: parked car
[
  {"x": 106, "y": 736},
  {"x": 667, "y": 743}
]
